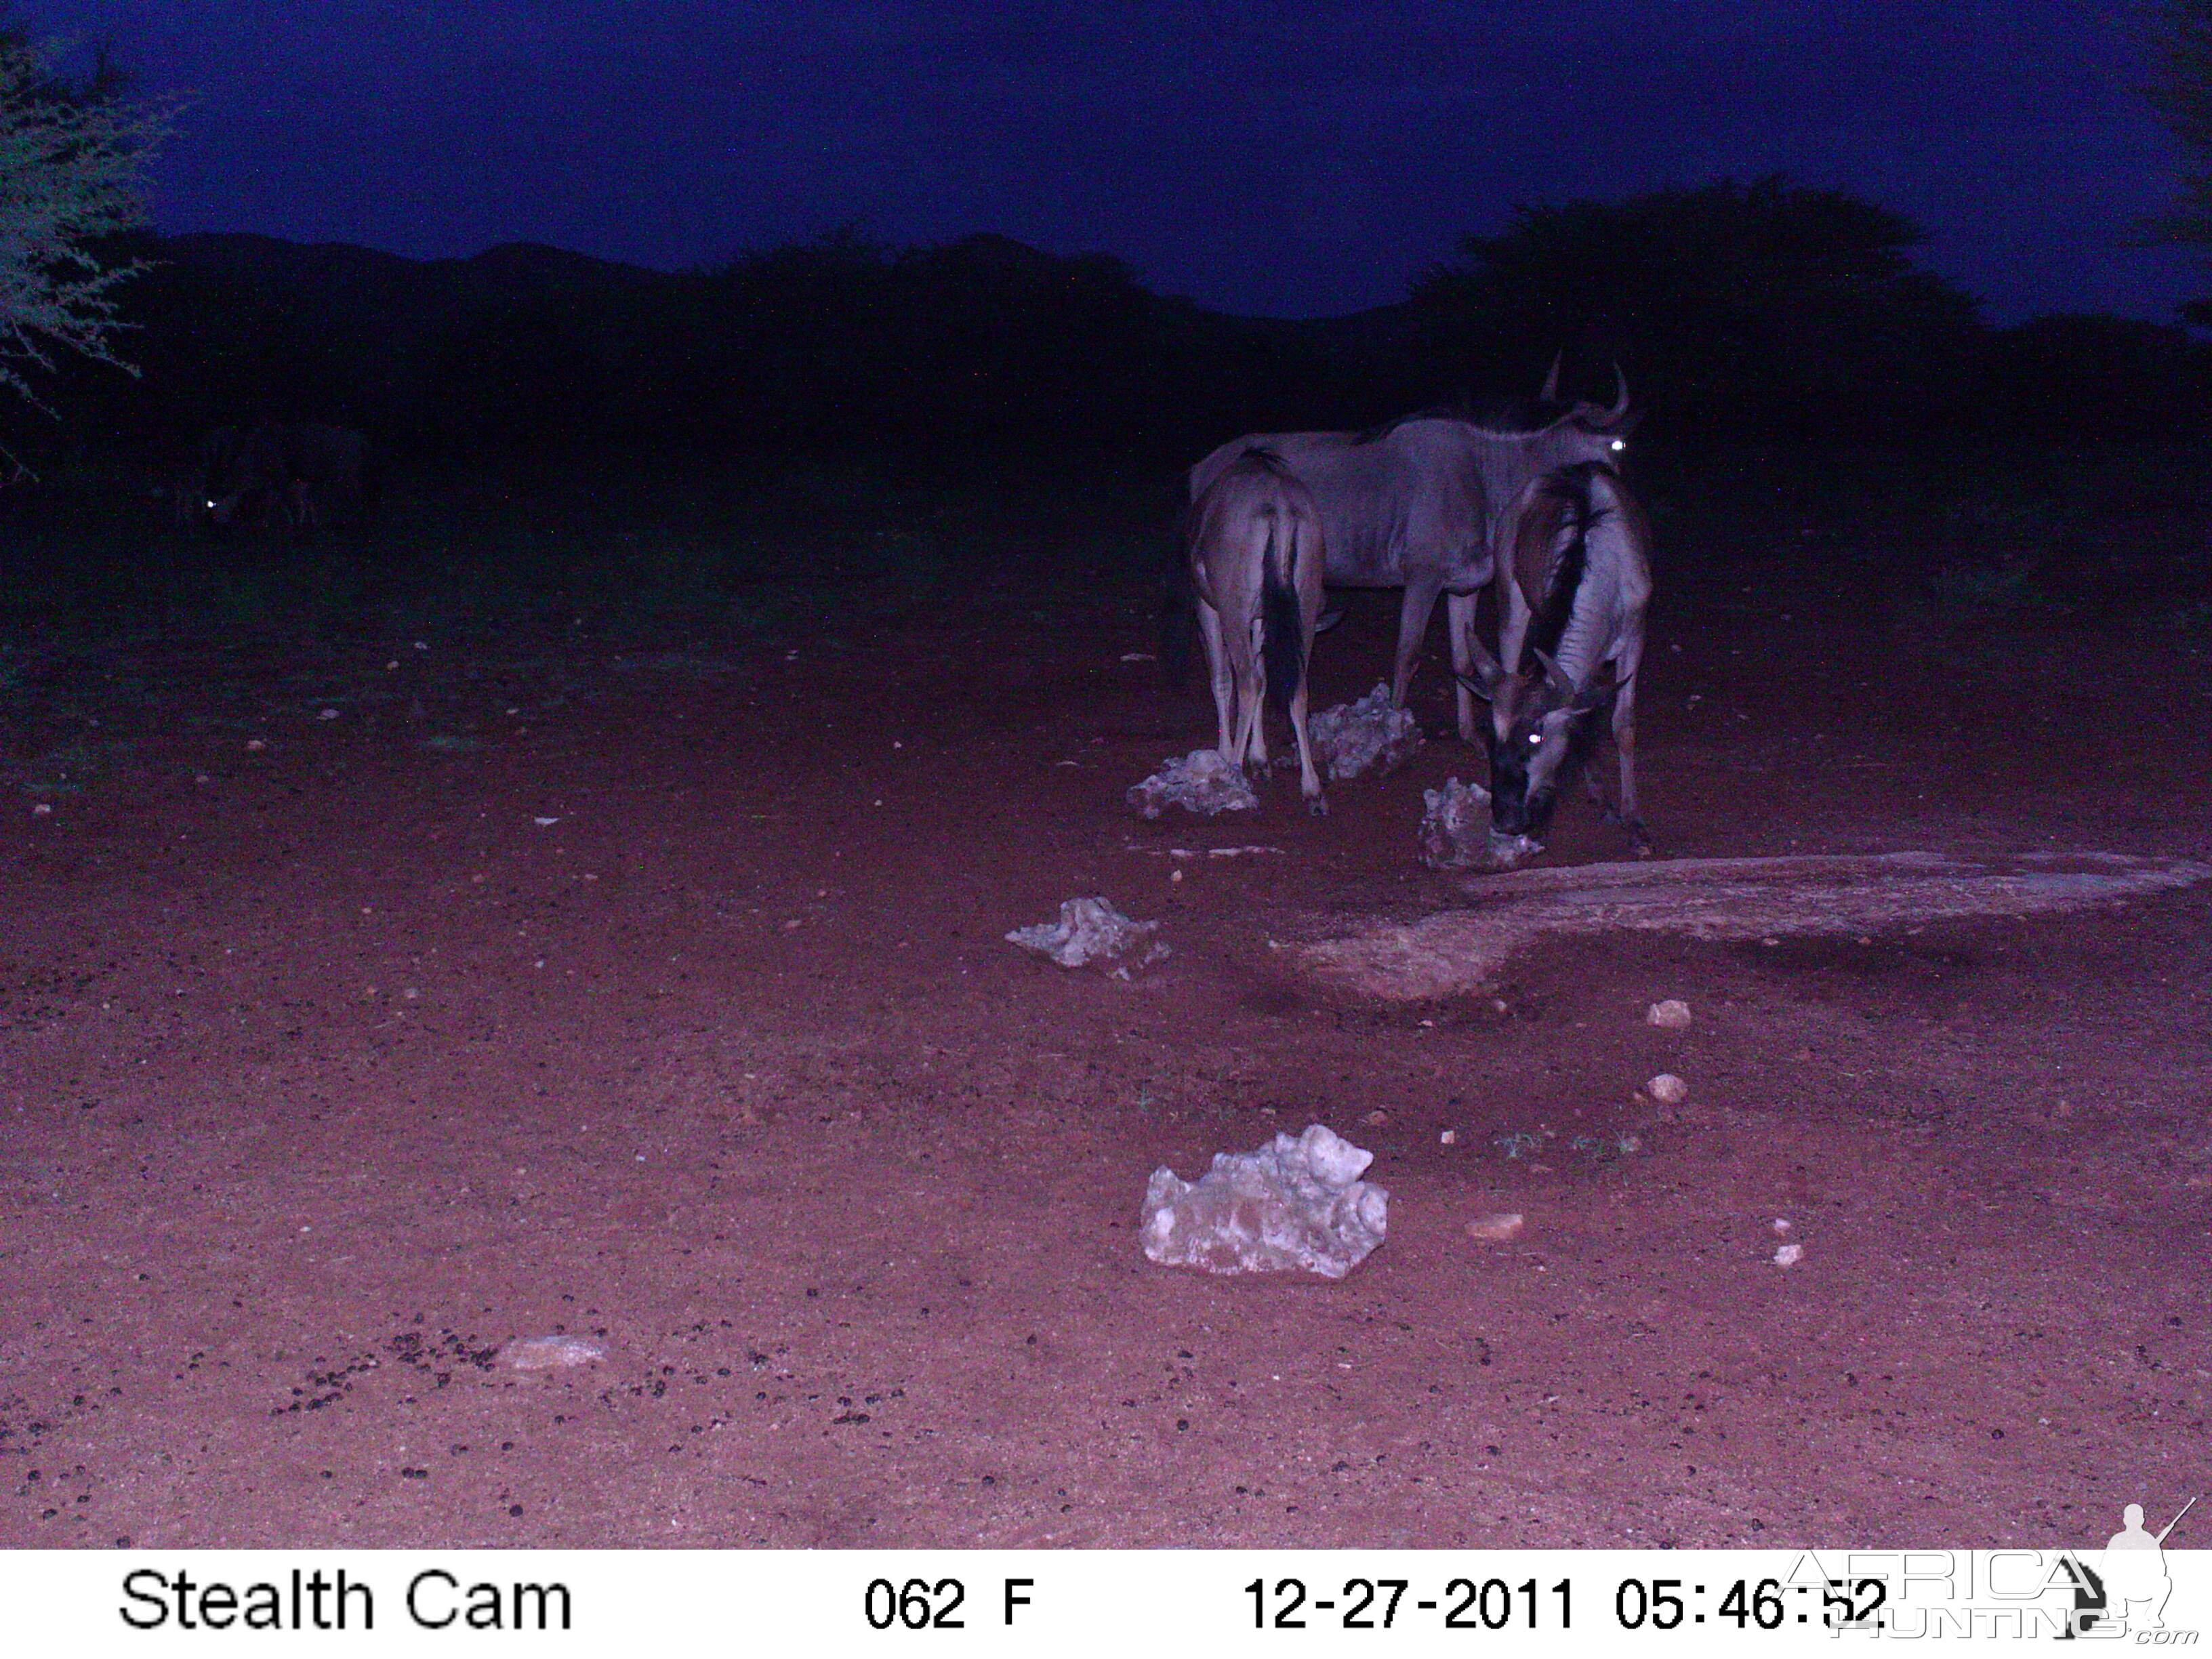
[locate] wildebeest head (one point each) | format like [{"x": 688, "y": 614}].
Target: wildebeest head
[{"x": 1539, "y": 733}]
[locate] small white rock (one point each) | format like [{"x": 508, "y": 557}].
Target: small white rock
[
  {"x": 1496, "y": 1229},
  {"x": 1673, "y": 1014},
  {"x": 1668, "y": 1088},
  {"x": 545, "y": 1353},
  {"x": 1788, "y": 1255},
  {"x": 1449, "y": 1137},
  {"x": 1781, "y": 1224}
]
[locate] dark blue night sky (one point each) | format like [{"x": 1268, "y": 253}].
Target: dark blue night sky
[{"x": 1295, "y": 160}]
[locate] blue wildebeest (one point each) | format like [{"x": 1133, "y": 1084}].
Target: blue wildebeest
[
  {"x": 1254, "y": 545},
  {"x": 1574, "y": 588},
  {"x": 285, "y": 475},
  {"x": 1421, "y": 504}
]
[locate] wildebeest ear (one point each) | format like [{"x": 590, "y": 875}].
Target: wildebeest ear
[{"x": 1591, "y": 696}]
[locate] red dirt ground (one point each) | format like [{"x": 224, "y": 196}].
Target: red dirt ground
[{"x": 328, "y": 1069}]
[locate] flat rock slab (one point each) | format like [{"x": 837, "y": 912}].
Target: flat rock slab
[{"x": 1461, "y": 950}]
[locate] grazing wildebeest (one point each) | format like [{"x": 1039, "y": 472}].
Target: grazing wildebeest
[
  {"x": 1576, "y": 581},
  {"x": 1254, "y": 545},
  {"x": 287, "y": 475},
  {"x": 1419, "y": 504}
]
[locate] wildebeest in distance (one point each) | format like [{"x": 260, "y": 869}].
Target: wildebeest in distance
[
  {"x": 191, "y": 485},
  {"x": 285, "y": 477}
]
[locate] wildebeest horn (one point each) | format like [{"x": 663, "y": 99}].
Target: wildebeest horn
[
  {"x": 1620, "y": 393},
  {"x": 1560, "y": 683},
  {"x": 1550, "y": 394},
  {"x": 1488, "y": 674}
]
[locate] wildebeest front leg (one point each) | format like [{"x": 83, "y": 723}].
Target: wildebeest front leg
[
  {"x": 1624, "y": 742},
  {"x": 1459, "y": 617},
  {"x": 1412, "y": 630}
]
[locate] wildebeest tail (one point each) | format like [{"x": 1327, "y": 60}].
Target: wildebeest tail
[{"x": 1281, "y": 621}]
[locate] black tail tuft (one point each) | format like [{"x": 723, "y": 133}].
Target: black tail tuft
[{"x": 1281, "y": 621}]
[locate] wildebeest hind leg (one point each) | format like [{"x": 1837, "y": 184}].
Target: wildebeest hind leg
[
  {"x": 1224, "y": 690},
  {"x": 1254, "y": 690},
  {"x": 1309, "y": 778}
]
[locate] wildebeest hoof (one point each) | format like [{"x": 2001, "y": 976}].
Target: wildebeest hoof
[
  {"x": 1639, "y": 839},
  {"x": 1318, "y": 806}
]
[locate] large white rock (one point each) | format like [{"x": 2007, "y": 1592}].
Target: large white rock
[
  {"x": 1372, "y": 734},
  {"x": 1297, "y": 1203},
  {"x": 1090, "y": 930},
  {"x": 1456, "y": 832},
  {"x": 1200, "y": 781}
]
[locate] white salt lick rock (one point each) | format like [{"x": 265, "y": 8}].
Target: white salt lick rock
[{"x": 1293, "y": 1205}]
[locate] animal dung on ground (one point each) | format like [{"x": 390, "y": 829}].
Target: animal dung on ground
[
  {"x": 547, "y": 1354},
  {"x": 1456, "y": 832},
  {"x": 1200, "y": 781},
  {"x": 1497, "y": 1228},
  {"x": 1670, "y": 1014},
  {"x": 1668, "y": 1088},
  {"x": 1371, "y": 734},
  {"x": 1296, "y": 1203},
  {"x": 1091, "y": 931}
]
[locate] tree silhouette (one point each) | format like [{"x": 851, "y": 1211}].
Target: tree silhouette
[
  {"x": 72, "y": 163},
  {"x": 1768, "y": 305},
  {"x": 2180, "y": 33}
]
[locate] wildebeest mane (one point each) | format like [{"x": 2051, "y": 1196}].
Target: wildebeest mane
[
  {"x": 1570, "y": 487},
  {"x": 1503, "y": 416},
  {"x": 1513, "y": 414}
]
